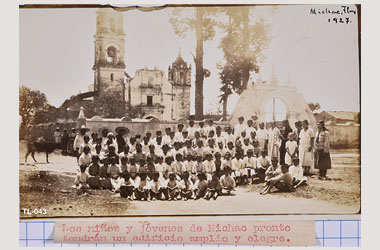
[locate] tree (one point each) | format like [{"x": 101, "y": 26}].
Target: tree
[
  {"x": 242, "y": 47},
  {"x": 111, "y": 104},
  {"x": 31, "y": 102},
  {"x": 199, "y": 22},
  {"x": 314, "y": 106}
]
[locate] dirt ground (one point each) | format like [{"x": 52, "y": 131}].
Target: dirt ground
[{"x": 48, "y": 186}]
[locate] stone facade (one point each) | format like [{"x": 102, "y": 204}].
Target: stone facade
[{"x": 149, "y": 90}]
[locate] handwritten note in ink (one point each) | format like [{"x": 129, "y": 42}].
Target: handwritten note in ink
[
  {"x": 343, "y": 14},
  {"x": 277, "y": 233}
]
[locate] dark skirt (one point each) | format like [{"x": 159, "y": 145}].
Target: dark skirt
[{"x": 322, "y": 160}]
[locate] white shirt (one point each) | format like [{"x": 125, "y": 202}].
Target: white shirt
[
  {"x": 305, "y": 137},
  {"x": 296, "y": 172},
  {"x": 238, "y": 129}
]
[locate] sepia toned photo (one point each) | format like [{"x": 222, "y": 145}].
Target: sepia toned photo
[{"x": 189, "y": 110}]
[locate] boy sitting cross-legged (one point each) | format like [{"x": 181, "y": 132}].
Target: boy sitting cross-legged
[
  {"x": 228, "y": 182},
  {"x": 186, "y": 186}
]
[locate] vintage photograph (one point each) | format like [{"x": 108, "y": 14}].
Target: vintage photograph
[{"x": 189, "y": 110}]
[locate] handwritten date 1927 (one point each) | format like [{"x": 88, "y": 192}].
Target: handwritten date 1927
[{"x": 345, "y": 20}]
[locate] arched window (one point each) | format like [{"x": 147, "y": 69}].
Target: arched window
[
  {"x": 111, "y": 54},
  {"x": 150, "y": 81}
]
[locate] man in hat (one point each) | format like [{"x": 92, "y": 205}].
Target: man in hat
[
  {"x": 120, "y": 140},
  {"x": 79, "y": 139},
  {"x": 239, "y": 127}
]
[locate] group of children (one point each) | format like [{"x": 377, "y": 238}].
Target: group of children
[{"x": 190, "y": 163}]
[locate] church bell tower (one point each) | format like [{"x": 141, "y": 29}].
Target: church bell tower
[
  {"x": 109, "y": 66},
  {"x": 179, "y": 75}
]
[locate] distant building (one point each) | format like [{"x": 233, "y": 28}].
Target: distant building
[
  {"x": 338, "y": 116},
  {"x": 149, "y": 90}
]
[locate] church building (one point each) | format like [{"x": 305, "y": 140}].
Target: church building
[{"x": 150, "y": 91}]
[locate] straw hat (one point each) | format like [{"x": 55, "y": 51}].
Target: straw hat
[{"x": 119, "y": 129}]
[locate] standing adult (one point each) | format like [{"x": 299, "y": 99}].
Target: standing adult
[
  {"x": 64, "y": 141},
  {"x": 274, "y": 141},
  {"x": 262, "y": 136},
  {"x": 120, "y": 138},
  {"x": 322, "y": 150},
  {"x": 57, "y": 135},
  {"x": 70, "y": 145},
  {"x": 79, "y": 139},
  {"x": 284, "y": 138},
  {"x": 305, "y": 147}
]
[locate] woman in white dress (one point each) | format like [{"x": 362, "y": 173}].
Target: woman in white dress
[{"x": 306, "y": 147}]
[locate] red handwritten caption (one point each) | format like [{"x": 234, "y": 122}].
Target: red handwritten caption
[{"x": 280, "y": 233}]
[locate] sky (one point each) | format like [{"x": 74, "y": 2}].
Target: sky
[{"x": 57, "y": 52}]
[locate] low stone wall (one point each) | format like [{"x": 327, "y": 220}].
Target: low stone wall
[
  {"x": 344, "y": 136},
  {"x": 138, "y": 127}
]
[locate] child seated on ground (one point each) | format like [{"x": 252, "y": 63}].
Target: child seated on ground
[
  {"x": 127, "y": 186},
  {"x": 263, "y": 163},
  {"x": 93, "y": 169},
  {"x": 160, "y": 167},
  {"x": 209, "y": 166},
  {"x": 296, "y": 171},
  {"x": 142, "y": 189},
  {"x": 150, "y": 167},
  {"x": 85, "y": 157},
  {"x": 214, "y": 188},
  {"x": 273, "y": 170},
  {"x": 124, "y": 166},
  {"x": 227, "y": 182},
  {"x": 256, "y": 149},
  {"x": 172, "y": 187},
  {"x": 113, "y": 172},
  {"x": 199, "y": 165},
  {"x": 155, "y": 189},
  {"x": 200, "y": 186},
  {"x": 186, "y": 186},
  {"x": 81, "y": 179},
  {"x": 178, "y": 165},
  {"x": 236, "y": 167},
  {"x": 250, "y": 165},
  {"x": 282, "y": 182}
]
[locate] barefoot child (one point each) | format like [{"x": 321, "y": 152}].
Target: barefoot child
[
  {"x": 200, "y": 186},
  {"x": 127, "y": 186},
  {"x": 296, "y": 171},
  {"x": 173, "y": 189},
  {"x": 142, "y": 189},
  {"x": 81, "y": 179},
  {"x": 186, "y": 186},
  {"x": 214, "y": 188},
  {"x": 291, "y": 149},
  {"x": 227, "y": 182}
]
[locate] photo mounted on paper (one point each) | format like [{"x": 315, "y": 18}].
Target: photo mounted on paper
[{"x": 181, "y": 110}]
